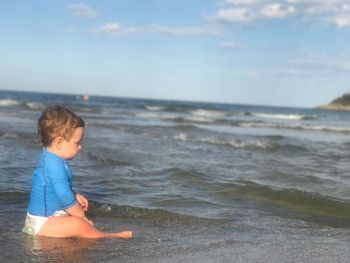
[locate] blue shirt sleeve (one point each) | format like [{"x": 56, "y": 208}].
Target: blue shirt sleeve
[{"x": 58, "y": 174}]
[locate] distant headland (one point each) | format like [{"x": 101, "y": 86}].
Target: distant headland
[{"x": 341, "y": 103}]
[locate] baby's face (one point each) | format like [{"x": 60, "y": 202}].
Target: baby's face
[{"x": 71, "y": 148}]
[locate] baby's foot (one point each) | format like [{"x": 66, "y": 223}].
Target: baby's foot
[{"x": 124, "y": 234}]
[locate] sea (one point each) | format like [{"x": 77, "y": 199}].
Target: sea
[{"x": 195, "y": 182}]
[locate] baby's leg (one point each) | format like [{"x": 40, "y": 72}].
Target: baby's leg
[{"x": 69, "y": 226}]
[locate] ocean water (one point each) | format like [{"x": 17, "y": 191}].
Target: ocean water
[{"x": 195, "y": 182}]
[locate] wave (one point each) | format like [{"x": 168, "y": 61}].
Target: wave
[
  {"x": 295, "y": 127},
  {"x": 181, "y": 137},
  {"x": 29, "y": 105},
  {"x": 189, "y": 120},
  {"x": 108, "y": 210},
  {"x": 7, "y": 135},
  {"x": 247, "y": 124},
  {"x": 154, "y": 115},
  {"x": 282, "y": 116},
  {"x": 105, "y": 160},
  {"x": 307, "y": 203},
  {"x": 208, "y": 113},
  {"x": 99, "y": 209},
  {"x": 35, "y": 105},
  {"x": 216, "y": 113},
  {"x": 29, "y": 140},
  {"x": 263, "y": 145},
  {"x": 23, "y": 138},
  {"x": 183, "y": 201},
  {"x": 201, "y": 120},
  {"x": 9, "y": 103},
  {"x": 154, "y": 108},
  {"x": 148, "y": 115},
  {"x": 182, "y": 120},
  {"x": 292, "y": 199},
  {"x": 204, "y": 121},
  {"x": 196, "y": 116},
  {"x": 140, "y": 128}
]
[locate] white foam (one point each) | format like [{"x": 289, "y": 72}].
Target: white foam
[
  {"x": 327, "y": 128},
  {"x": 297, "y": 127},
  {"x": 35, "y": 105},
  {"x": 208, "y": 113},
  {"x": 181, "y": 137},
  {"x": 9, "y": 102},
  {"x": 148, "y": 115},
  {"x": 159, "y": 116},
  {"x": 260, "y": 125},
  {"x": 154, "y": 108},
  {"x": 9, "y": 136},
  {"x": 169, "y": 116},
  {"x": 238, "y": 143},
  {"x": 199, "y": 119},
  {"x": 280, "y": 116}
]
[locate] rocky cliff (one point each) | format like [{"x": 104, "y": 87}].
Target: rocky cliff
[{"x": 341, "y": 103}]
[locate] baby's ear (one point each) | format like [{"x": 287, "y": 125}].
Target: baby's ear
[{"x": 57, "y": 143}]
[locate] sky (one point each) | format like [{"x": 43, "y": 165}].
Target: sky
[{"x": 264, "y": 52}]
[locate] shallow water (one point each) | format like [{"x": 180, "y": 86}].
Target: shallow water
[{"x": 196, "y": 182}]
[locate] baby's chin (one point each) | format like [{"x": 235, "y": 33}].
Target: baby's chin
[{"x": 68, "y": 158}]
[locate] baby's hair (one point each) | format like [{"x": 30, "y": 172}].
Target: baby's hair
[{"x": 57, "y": 121}]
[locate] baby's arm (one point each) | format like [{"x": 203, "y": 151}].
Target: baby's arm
[
  {"x": 76, "y": 210},
  {"x": 71, "y": 203},
  {"x": 84, "y": 203}
]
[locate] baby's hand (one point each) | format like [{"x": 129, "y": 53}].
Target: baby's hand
[{"x": 84, "y": 203}]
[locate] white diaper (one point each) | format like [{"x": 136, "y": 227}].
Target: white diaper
[{"x": 33, "y": 223}]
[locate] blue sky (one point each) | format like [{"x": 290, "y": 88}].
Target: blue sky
[{"x": 268, "y": 52}]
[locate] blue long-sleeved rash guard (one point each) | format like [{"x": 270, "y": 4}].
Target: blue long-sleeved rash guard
[{"x": 51, "y": 186}]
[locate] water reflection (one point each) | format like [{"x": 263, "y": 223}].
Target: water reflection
[{"x": 45, "y": 249}]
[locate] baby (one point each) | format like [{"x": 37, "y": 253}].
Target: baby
[{"x": 54, "y": 209}]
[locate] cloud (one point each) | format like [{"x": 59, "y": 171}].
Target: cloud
[
  {"x": 115, "y": 29},
  {"x": 243, "y": 2},
  {"x": 277, "y": 10},
  {"x": 108, "y": 29},
  {"x": 242, "y": 12},
  {"x": 235, "y": 15},
  {"x": 342, "y": 21},
  {"x": 82, "y": 11},
  {"x": 336, "y": 12}
]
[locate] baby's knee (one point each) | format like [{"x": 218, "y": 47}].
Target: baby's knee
[{"x": 78, "y": 222}]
